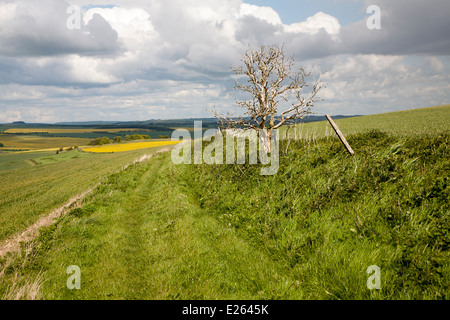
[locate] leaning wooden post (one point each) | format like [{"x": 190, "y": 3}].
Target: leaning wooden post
[{"x": 340, "y": 135}]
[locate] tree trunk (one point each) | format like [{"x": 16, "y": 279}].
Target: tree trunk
[{"x": 265, "y": 140}]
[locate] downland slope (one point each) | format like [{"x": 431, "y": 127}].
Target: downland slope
[
  {"x": 420, "y": 121},
  {"x": 161, "y": 231},
  {"x": 327, "y": 216}
]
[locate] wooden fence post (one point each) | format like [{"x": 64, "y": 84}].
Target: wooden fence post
[{"x": 340, "y": 135}]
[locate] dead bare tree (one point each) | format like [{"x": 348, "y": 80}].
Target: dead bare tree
[{"x": 271, "y": 80}]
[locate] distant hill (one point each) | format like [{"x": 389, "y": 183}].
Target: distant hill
[
  {"x": 174, "y": 122},
  {"x": 85, "y": 123}
]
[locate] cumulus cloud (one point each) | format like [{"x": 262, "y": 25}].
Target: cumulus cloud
[
  {"x": 39, "y": 28},
  {"x": 359, "y": 84},
  {"x": 176, "y": 56},
  {"x": 407, "y": 27},
  {"x": 263, "y": 13},
  {"x": 314, "y": 24}
]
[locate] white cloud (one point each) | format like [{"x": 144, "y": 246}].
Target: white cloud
[
  {"x": 15, "y": 92},
  {"x": 10, "y": 116},
  {"x": 123, "y": 101},
  {"x": 435, "y": 64},
  {"x": 88, "y": 70},
  {"x": 133, "y": 25},
  {"x": 263, "y": 13},
  {"x": 366, "y": 84},
  {"x": 36, "y": 29},
  {"x": 314, "y": 24},
  {"x": 173, "y": 58}
]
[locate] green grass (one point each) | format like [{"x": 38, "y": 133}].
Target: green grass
[
  {"x": 327, "y": 216},
  {"x": 62, "y": 156},
  {"x": 161, "y": 231},
  {"x": 16, "y": 160},
  {"x": 422, "y": 121},
  {"x": 29, "y": 190},
  {"x": 142, "y": 236}
]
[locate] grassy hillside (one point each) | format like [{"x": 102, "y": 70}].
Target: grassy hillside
[
  {"x": 422, "y": 121},
  {"x": 142, "y": 236},
  {"x": 163, "y": 231},
  {"x": 326, "y": 216}
]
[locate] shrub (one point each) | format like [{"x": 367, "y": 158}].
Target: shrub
[
  {"x": 104, "y": 140},
  {"x": 99, "y": 141},
  {"x": 136, "y": 137},
  {"x": 117, "y": 139}
]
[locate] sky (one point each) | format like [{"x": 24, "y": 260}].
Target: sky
[{"x": 125, "y": 60}]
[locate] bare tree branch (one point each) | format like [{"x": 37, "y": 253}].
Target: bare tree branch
[{"x": 271, "y": 82}]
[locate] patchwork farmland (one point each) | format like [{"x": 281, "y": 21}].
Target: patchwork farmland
[{"x": 151, "y": 229}]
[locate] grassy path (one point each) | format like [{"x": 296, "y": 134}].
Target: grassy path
[
  {"x": 29, "y": 192},
  {"x": 143, "y": 237}
]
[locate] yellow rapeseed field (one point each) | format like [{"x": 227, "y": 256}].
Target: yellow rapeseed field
[{"x": 128, "y": 146}]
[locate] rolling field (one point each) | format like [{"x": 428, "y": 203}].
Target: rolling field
[
  {"x": 422, "y": 121},
  {"x": 17, "y": 160},
  {"x": 36, "y": 142},
  {"x": 34, "y": 184},
  {"x": 84, "y": 132},
  {"x": 157, "y": 230}
]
